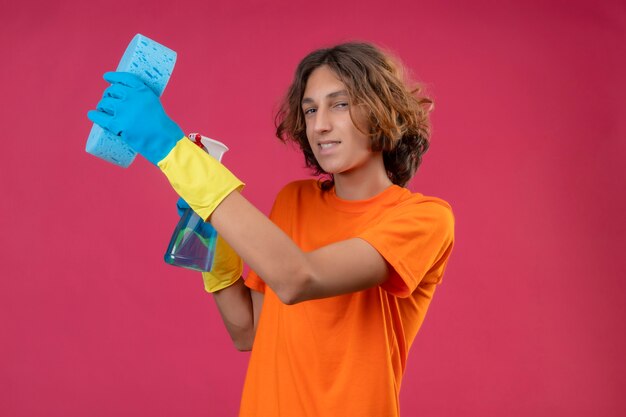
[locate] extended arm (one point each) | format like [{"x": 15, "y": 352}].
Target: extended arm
[
  {"x": 131, "y": 110},
  {"x": 294, "y": 275}
]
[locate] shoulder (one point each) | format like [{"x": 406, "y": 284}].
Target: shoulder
[
  {"x": 299, "y": 188},
  {"x": 421, "y": 215},
  {"x": 420, "y": 204}
]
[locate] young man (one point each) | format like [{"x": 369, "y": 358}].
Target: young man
[{"x": 346, "y": 268}]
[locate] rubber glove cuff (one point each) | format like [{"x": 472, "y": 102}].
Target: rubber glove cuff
[
  {"x": 226, "y": 270},
  {"x": 198, "y": 178}
]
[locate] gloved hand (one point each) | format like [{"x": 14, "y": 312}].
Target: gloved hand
[
  {"x": 227, "y": 265},
  {"x": 226, "y": 270},
  {"x": 181, "y": 206},
  {"x": 130, "y": 109}
]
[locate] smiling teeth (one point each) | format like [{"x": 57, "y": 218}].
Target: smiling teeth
[{"x": 327, "y": 145}]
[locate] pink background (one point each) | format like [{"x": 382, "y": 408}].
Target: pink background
[{"x": 528, "y": 146}]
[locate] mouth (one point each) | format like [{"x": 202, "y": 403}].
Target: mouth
[{"x": 326, "y": 145}]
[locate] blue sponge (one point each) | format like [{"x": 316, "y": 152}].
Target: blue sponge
[{"x": 153, "y": 63}]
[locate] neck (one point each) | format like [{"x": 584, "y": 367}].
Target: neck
[{"x": 361, "y": 184}]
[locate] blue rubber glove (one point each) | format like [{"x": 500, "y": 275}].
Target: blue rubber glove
[
  {"x": 130, "y": 109},
  {"x": 181, "y": 206}
]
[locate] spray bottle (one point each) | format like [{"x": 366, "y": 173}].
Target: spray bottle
[{"x": 193, "y": 242}]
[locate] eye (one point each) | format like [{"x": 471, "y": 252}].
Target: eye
[
  {"x": 341, "y": 105},
  {"x": 309, "y": 110}
]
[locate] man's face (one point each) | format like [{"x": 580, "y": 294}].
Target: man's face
[{"x": 337, "y": 144}]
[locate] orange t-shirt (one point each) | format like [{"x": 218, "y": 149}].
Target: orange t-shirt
[{"x": 345, "y": 355}]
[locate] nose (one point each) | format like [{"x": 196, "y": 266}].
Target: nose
[{"x": 322, "y": 123}]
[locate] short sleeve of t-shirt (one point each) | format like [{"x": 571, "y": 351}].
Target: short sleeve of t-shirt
[
  {"x": 254, "y": 282},
  {"x": 416, "y": 239}
]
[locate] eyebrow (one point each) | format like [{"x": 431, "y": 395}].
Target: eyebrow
[{"x": 308, "y": 100}]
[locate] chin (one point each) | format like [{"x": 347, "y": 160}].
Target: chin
[{"x": 330, "y": 170}]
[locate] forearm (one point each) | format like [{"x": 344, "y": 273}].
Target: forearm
[
  {"x": 262, "y": 245},
  {"x": 236, "y": 308}
]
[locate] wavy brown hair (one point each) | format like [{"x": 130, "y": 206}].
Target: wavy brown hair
[{"x": 398, "y": 114}]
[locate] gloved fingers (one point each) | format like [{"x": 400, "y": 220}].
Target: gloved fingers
[
  {"x": 181, "y": 206},
  {"x": 124, "y": 78},
  {"x": 107, "y": 105},
  {"x": 104, "y": 120},
  {"x": 181, "y": 203},
  {"x": 118, "y": 91}
]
